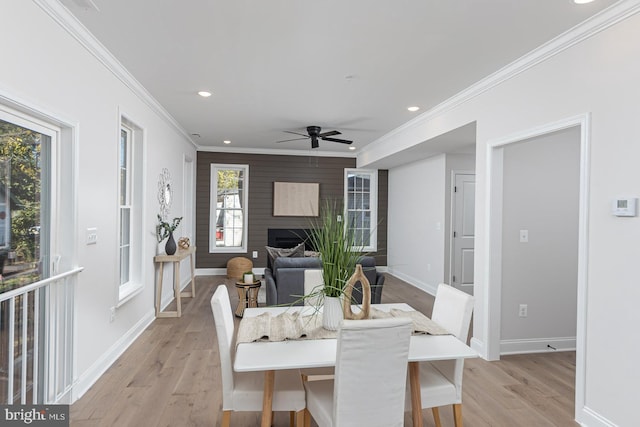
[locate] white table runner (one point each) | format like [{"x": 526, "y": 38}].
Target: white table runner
[{"x": 293, "y": 326}]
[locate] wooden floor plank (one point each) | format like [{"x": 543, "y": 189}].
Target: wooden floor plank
[{"x": 171, "y": 377}]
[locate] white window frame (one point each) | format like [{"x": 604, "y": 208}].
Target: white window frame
[
  {"x": 373, "y": 205},
  {"x": 215, "y": 167},
  {"x": 135, "y": 185},
  {"x": 126, "y": 204}
]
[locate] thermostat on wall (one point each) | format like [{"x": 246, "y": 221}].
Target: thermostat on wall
[{"x": 625, "y": 207}]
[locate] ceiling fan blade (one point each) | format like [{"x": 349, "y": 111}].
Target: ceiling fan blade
[
  {"x": 294, "y": 139},
  {"x": 329, "y": 133},
  {"x": 296, "y": 133},
  {"x": 342, "y": 141}
]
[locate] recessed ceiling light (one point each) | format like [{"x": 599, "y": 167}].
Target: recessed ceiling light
[
  {"x": 414, "y": 108},
  {"x": 204, "y": 94},
  {"x": 582, "y": 1},
  {"x": 227, "y": 141},
  {"x": 352, "y": 148}
]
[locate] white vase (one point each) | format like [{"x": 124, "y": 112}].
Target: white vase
[
  {"x": 248, "y": 278},
  {"x": 332, "y": 313}
]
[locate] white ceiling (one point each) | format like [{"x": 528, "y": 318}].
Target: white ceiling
[{"x": 278, "y": 65}]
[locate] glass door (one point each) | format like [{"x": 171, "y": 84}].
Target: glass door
[{"x": 24, "y": 250}]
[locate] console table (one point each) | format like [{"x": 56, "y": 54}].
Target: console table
[{"x": 175, "y": 259}]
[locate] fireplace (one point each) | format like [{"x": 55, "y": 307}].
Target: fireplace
[{"x": 288, "y": 237}]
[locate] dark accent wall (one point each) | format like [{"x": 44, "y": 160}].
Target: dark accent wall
[{"x": 263, "y": 171}]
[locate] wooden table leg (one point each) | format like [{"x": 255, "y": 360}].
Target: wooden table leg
[
  {"x": 242, "y": 300},
  {"x": 159, "y": 290},
  {"x": 252, "y": 297},
  {"x": 193, "y": 276},
  {"x": 416, "y": 398},
  {"x": 267, "y": 398},
  {"x": 176, "y": 284}
]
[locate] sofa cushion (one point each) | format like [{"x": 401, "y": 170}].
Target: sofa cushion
[
  {"x": 273, "y": 253},
  {"x": 303, "y": 262},
  {"x": 288, "y": 274}
]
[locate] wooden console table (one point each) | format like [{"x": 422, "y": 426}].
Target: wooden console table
[{"x": 175, "y": 259}]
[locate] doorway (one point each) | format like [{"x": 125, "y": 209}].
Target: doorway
[{"x": 489, "y": 309}]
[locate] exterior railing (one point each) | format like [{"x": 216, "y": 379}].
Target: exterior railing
[{"x": 37, "y": 331}]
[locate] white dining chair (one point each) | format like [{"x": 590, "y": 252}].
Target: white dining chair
[
  {"x": 243, "y": 391},
  {"x": 441, "y": 381},
  {"x": 370, "y": 376}
]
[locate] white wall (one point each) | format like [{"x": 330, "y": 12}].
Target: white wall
[
  {"x": 418, "y": 242},
  {"x": 416, "y": 222},
  {"x": 47, "y": 69},
  {"x": 541, "y": 188},
  {"x": 599, "y": 76}
]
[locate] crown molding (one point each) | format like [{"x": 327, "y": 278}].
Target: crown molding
[
  {"x": 59, "y": 13},
  {"x": 586, "y": 29},
  {"x": 275, "y": 152}
]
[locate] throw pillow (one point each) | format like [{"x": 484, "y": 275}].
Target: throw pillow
[{"x": 273, "y": 253}]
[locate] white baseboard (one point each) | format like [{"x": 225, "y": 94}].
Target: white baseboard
[
  {"x": 211, "y": 271},
  {"x": 91, "y": 375},
  {"x": 588, "y": 418},
  {"x": 427, "y": 287},
  {"x": 537, "y": 345}
]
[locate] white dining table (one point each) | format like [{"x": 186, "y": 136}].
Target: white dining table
[{"x": 270, "y": 356}]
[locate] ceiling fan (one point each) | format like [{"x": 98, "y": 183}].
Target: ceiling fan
[{"x": 314, "y": 133}]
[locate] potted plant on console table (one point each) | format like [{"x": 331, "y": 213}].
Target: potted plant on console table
[
  {"x": 339, "y": 255},
  {"x": 164, "y": 230}
]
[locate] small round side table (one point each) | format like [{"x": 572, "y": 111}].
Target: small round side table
[{"x": 247, "y": 296}]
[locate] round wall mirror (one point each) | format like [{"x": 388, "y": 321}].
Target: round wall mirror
[{"x": 165, "y": 193}]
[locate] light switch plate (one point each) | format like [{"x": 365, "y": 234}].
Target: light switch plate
[{"x": 92, "y": 236}]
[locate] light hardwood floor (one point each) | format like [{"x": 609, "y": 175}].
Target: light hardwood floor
[{"x": 171, "y": 377}]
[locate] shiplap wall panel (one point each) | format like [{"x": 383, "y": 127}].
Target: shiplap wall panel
[{"x": 263, "y": 171}]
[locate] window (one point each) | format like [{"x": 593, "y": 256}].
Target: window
[
  {"x": 24, "y": 203},
  {"x": 130, "y": 212},
  {"x": 361, "y": 205},
  {"x": 228, "y": 209}
]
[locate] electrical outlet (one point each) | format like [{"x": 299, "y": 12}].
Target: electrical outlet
[
  {"x": 255, "y": 254},
  {"x": 112, "y": 314},
  {"x": 522, "y": 311}
]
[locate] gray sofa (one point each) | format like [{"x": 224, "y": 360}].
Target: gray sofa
[{"x": 285, "y": 281}]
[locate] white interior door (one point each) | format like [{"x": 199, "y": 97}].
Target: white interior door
[{"x": 463, "y": 236}]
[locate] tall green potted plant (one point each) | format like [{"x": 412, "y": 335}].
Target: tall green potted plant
[{"x": 339, "y": 254}]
